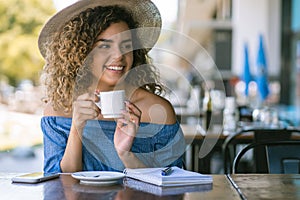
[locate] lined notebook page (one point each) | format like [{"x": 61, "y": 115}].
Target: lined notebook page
[
  {"x": 161, "y": 191},
  {"x": 177, "y": 178}
]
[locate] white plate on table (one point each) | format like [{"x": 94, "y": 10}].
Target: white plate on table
[{"x": 98, "y": 177}]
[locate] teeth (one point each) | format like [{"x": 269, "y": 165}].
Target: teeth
[{"x": 116, "y": 68}]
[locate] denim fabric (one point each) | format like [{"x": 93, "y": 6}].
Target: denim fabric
[{"x": 156, "y": 145}]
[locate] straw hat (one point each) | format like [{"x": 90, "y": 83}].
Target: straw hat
[{"x": 144, "y": 12}]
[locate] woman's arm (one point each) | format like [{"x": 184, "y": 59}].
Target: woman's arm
[
  {"x": 54, "y": 140},
  {"x": 125, "y": 133},
  {"x": 72, "y": 158},
  {"x": 84, "y": 109},
  {"x": 148, "y": 108}
]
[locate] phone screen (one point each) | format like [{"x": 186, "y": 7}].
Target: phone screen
[{"x": 35, "y": 177}]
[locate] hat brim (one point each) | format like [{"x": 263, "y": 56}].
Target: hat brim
[{"x": 144, "y": 12}]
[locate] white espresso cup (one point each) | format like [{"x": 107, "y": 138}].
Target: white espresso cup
[{"x": 111, "y": 103}]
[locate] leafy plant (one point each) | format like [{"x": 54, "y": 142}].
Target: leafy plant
[{"x": 21, "y": 22}]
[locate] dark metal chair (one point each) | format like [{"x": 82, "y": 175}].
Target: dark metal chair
[
  {"x": 253, "y": 135},
  {"x": 282, "y": 157}
]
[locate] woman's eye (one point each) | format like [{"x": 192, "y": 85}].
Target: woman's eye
[
  {"x": 104, "y": 46},
  {"x": 127, "y": 47}
]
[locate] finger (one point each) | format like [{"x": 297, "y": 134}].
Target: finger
[
  {"x": 121, "y": 122},
  {"x": 131, "y": 120},
  {"x": 135, "y": 113},
  {"x": 97, "y": 96},
  {"x": 88, "y": 113},
  {"x": 85, "y": 104},
  {"x": 133, "y": 108},
  {"x": 131, "y": 117},
  {"x": 86, "y": 107},
  {"x": 86, "y": 96},
  {"x": 97, "y": 91},
  {"x": 126, "y": 114},
  {"x": 127, "y": 127},
  {"x": 134, "y": 119}
]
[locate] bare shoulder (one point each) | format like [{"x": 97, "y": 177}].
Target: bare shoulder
[
  {"x": 155, "y": 109},
  {"x": 49, "y": 111}
]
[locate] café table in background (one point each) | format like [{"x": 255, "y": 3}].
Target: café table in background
[
  {"x": 211, "y": 142},
  {"x": 201, "y": 145}
]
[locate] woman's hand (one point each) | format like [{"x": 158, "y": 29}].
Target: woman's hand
[
  {"x": 127, "y": 128},
  {"x": 84, "y": 108}
]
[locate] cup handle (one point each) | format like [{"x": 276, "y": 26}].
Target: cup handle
[{"x": 98, "y": 103}]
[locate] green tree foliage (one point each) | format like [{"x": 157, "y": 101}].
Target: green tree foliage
[{"x": 21, "y": 22}]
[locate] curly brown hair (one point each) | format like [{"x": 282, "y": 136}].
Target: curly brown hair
[{"x": 67, "y": 51}]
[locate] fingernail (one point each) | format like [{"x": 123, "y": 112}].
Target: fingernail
[{"x": 124, "y": 111}]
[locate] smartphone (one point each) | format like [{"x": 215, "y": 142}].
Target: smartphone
[{"x": 35, "y": 177}]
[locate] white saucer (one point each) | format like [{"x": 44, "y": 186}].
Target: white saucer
[
  {"x": 102, "y": 183},
  {"x": 98, "y": 177}
]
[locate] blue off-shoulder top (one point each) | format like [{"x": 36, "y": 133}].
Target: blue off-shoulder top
[{"x": 156, "y": 145}]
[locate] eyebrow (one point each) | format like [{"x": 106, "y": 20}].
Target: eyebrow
[
  {"x": 111, "y": 41},
  {"x": 104, "y": 40}
]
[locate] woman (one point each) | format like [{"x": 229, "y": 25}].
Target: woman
[{"x": 100, "y": 45}]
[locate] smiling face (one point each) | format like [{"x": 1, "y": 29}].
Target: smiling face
[{"x": 112, "y": 55}]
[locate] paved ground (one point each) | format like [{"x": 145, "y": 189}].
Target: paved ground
[
  {"x": 22, "y": 160},
  {"x": 19, "y": 132},
  {"x": 18, "y": 129}
]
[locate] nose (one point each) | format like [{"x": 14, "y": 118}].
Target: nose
[{"x": 117, "y": 53}]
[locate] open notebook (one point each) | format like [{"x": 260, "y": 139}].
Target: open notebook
[
  {"x": 178, "y": 177},
  {"x": 162, "y": 191}
]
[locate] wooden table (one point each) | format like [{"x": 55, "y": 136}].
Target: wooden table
[
  {"x": 268, "y": 186},
  {"x": 247, "y": 186},
  {"x": 66, "y": 187}
]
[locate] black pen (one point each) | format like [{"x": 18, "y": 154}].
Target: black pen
[{"x": 166, "y": 171}]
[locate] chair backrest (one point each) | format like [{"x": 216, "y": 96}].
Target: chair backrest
[
  {"x": 255, "y": 135},
  {"x": 229, "y": 147},
  {"x": 283, "y": 157}
]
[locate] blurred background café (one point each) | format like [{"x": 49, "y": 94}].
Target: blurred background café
[{"x": 226, "y": 64}]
